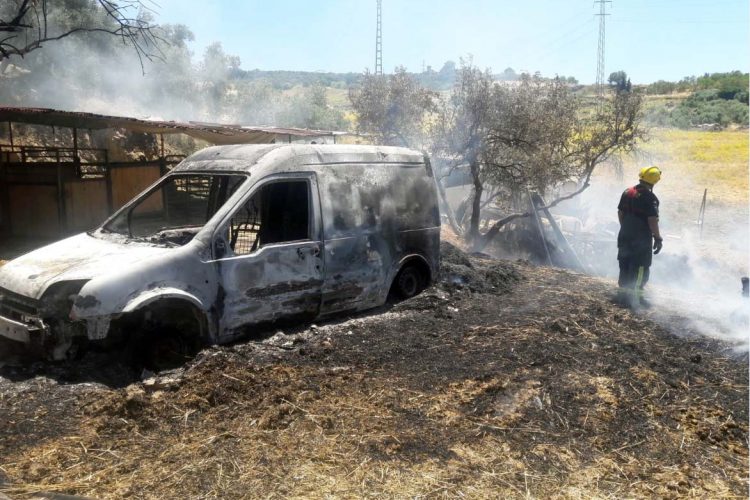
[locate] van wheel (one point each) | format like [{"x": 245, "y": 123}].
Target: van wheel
[
  {"x": 408, "y": 282},
  {"x": 167, "y": 348}
]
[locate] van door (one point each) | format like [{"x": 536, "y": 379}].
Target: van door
[
  {"x": 269, "y": 254},
  {"x": 361, "y": 229}
]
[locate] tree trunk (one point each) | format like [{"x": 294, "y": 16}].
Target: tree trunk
[
  {"x": 485, "y": 239},
  {"x": 476, "y": 204},
  {"x": 447, "y": 208}
]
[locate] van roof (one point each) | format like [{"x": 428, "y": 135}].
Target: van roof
[{"x": 243, "y": 157}]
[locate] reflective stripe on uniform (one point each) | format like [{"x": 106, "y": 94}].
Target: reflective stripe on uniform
[{"x": 638, "y": 287}]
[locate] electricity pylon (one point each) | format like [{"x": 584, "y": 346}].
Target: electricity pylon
[
  {"x": 379, "y": 41},
  {"x": 600, "y": 61}
]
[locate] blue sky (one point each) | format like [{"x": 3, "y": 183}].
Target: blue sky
[{"x": 649, "y": 39}]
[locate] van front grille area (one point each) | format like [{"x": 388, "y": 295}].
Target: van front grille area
[{"x": 14, "y": 306}]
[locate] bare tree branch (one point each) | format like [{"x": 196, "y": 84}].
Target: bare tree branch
[{"x": 133, "y": 30}]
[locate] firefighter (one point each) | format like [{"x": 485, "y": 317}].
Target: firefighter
[{"x": 639, "y": 235}]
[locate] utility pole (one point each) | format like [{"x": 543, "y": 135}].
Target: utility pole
[
  {"x": 379, "y": 41},
  {"x": 600, "y": 62}
]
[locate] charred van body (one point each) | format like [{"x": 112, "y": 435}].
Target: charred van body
[{"x": 235, "y": 236}]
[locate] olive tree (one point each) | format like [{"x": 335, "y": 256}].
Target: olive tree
[
  {"x": 590, "y": 139},
  {"x": 514, "y": 137},
  {"x": 460, "y": 130},
  {"x": 392, "y": 109},
  {"x": 27, "y": 25},
  {"x": 529, "y": 135}
]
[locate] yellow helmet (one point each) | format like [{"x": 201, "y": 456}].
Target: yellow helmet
[{"x": 652, "y": 175}]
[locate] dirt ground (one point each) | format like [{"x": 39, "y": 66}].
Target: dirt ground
[{"x": 503, "y": 380}]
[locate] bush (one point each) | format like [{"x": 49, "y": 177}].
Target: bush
[
  {"x": 703, "y": 107},
  {"x": 661, "y": 87},
  {"x": 697, "y": 112}
]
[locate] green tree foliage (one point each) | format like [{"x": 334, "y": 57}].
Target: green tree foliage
[
  {"x": 286, "y": 80},
  {"x": 213, "y": 77},
  {"x": 508, "y": 74},
  {"x": 256, "y": 102},
  {"x": 702, "y": 108},
  {"x": 661, "y": 87},
  {"x": 392, "y": 108},
  {"x": 96, "y": 72},
  {"x": 28, "y": 25},
  {"x": 730, "y": 85},
  {"x": 310, "y": 109},
  {"x": 619, "y": 81},
  {"x": 448, "y": 71},
  {"x": 717, "y": 99},
  {"x": 529, "y": 136}
]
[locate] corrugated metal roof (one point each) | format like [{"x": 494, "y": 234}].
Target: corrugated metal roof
[{"x": 210, "y": 132}]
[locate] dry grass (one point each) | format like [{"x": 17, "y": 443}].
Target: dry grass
[
  {"x": 692, "y": 160},
  {"x": 508, "y": 398},
  {"x": 549, "y": 391}
]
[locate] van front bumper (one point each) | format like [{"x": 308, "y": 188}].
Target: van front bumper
[
  {"x": 15, "y": 330},
  {"x": 19, "y": 318}
]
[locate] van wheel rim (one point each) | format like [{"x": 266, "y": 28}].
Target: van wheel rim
[{"x": 409, "y": 283}]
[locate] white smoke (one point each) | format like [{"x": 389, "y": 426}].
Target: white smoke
[{"x": 695, "y": 285}]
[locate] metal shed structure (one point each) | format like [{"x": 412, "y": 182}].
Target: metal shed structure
[{"x": 52, "y": 191}]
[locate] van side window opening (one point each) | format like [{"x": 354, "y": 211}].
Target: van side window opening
[
  {"x": 367, "y": 198},
  {"x": 179, "y": 202},
  {"x": 277, "y": 213}
]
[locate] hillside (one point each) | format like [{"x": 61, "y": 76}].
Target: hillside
[{"x": 504, "y": 380}]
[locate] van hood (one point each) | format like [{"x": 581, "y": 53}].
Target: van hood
[{"x": 81, "y": 257}]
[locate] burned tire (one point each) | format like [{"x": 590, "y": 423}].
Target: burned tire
[
  {"x": 163, "y": 336},
  {"x": 409, "y": 282},
  {"x": 167, "y": 348}
]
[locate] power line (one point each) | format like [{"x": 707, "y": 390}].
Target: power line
[
  {"x": 600, "y": 52},
  {"x": 542, "y": 56},
  {"x": 554, "y": 46},
  {"x": 681, "y": 21},
  {"x": 379, "y": 40},
  {"x": 540, "y": 38}
]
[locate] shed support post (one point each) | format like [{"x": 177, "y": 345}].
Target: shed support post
[
  {"x": 4, "y": 196},
  {"x": 60, "y": 196},
  {"x": 108, "y": 180},
  {"x": 76, "y": 158}
]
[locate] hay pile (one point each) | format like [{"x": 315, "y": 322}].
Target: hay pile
[{"x": 478, "y": 274}]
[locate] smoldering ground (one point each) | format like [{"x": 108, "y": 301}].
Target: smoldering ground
[{"x": 695, "y": 282}]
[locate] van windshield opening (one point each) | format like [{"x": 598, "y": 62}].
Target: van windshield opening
[{"x": 175, "y": 210}]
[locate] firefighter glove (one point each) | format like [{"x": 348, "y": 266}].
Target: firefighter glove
[{"x": 657, "y": 245}]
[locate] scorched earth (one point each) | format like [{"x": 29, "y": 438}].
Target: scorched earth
[{"x": 502, "y": 380}]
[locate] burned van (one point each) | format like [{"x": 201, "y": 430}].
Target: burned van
[{"x": 234, "y": 236}]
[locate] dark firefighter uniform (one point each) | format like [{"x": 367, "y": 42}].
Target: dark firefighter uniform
[{"x": 634, "y": 241}]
